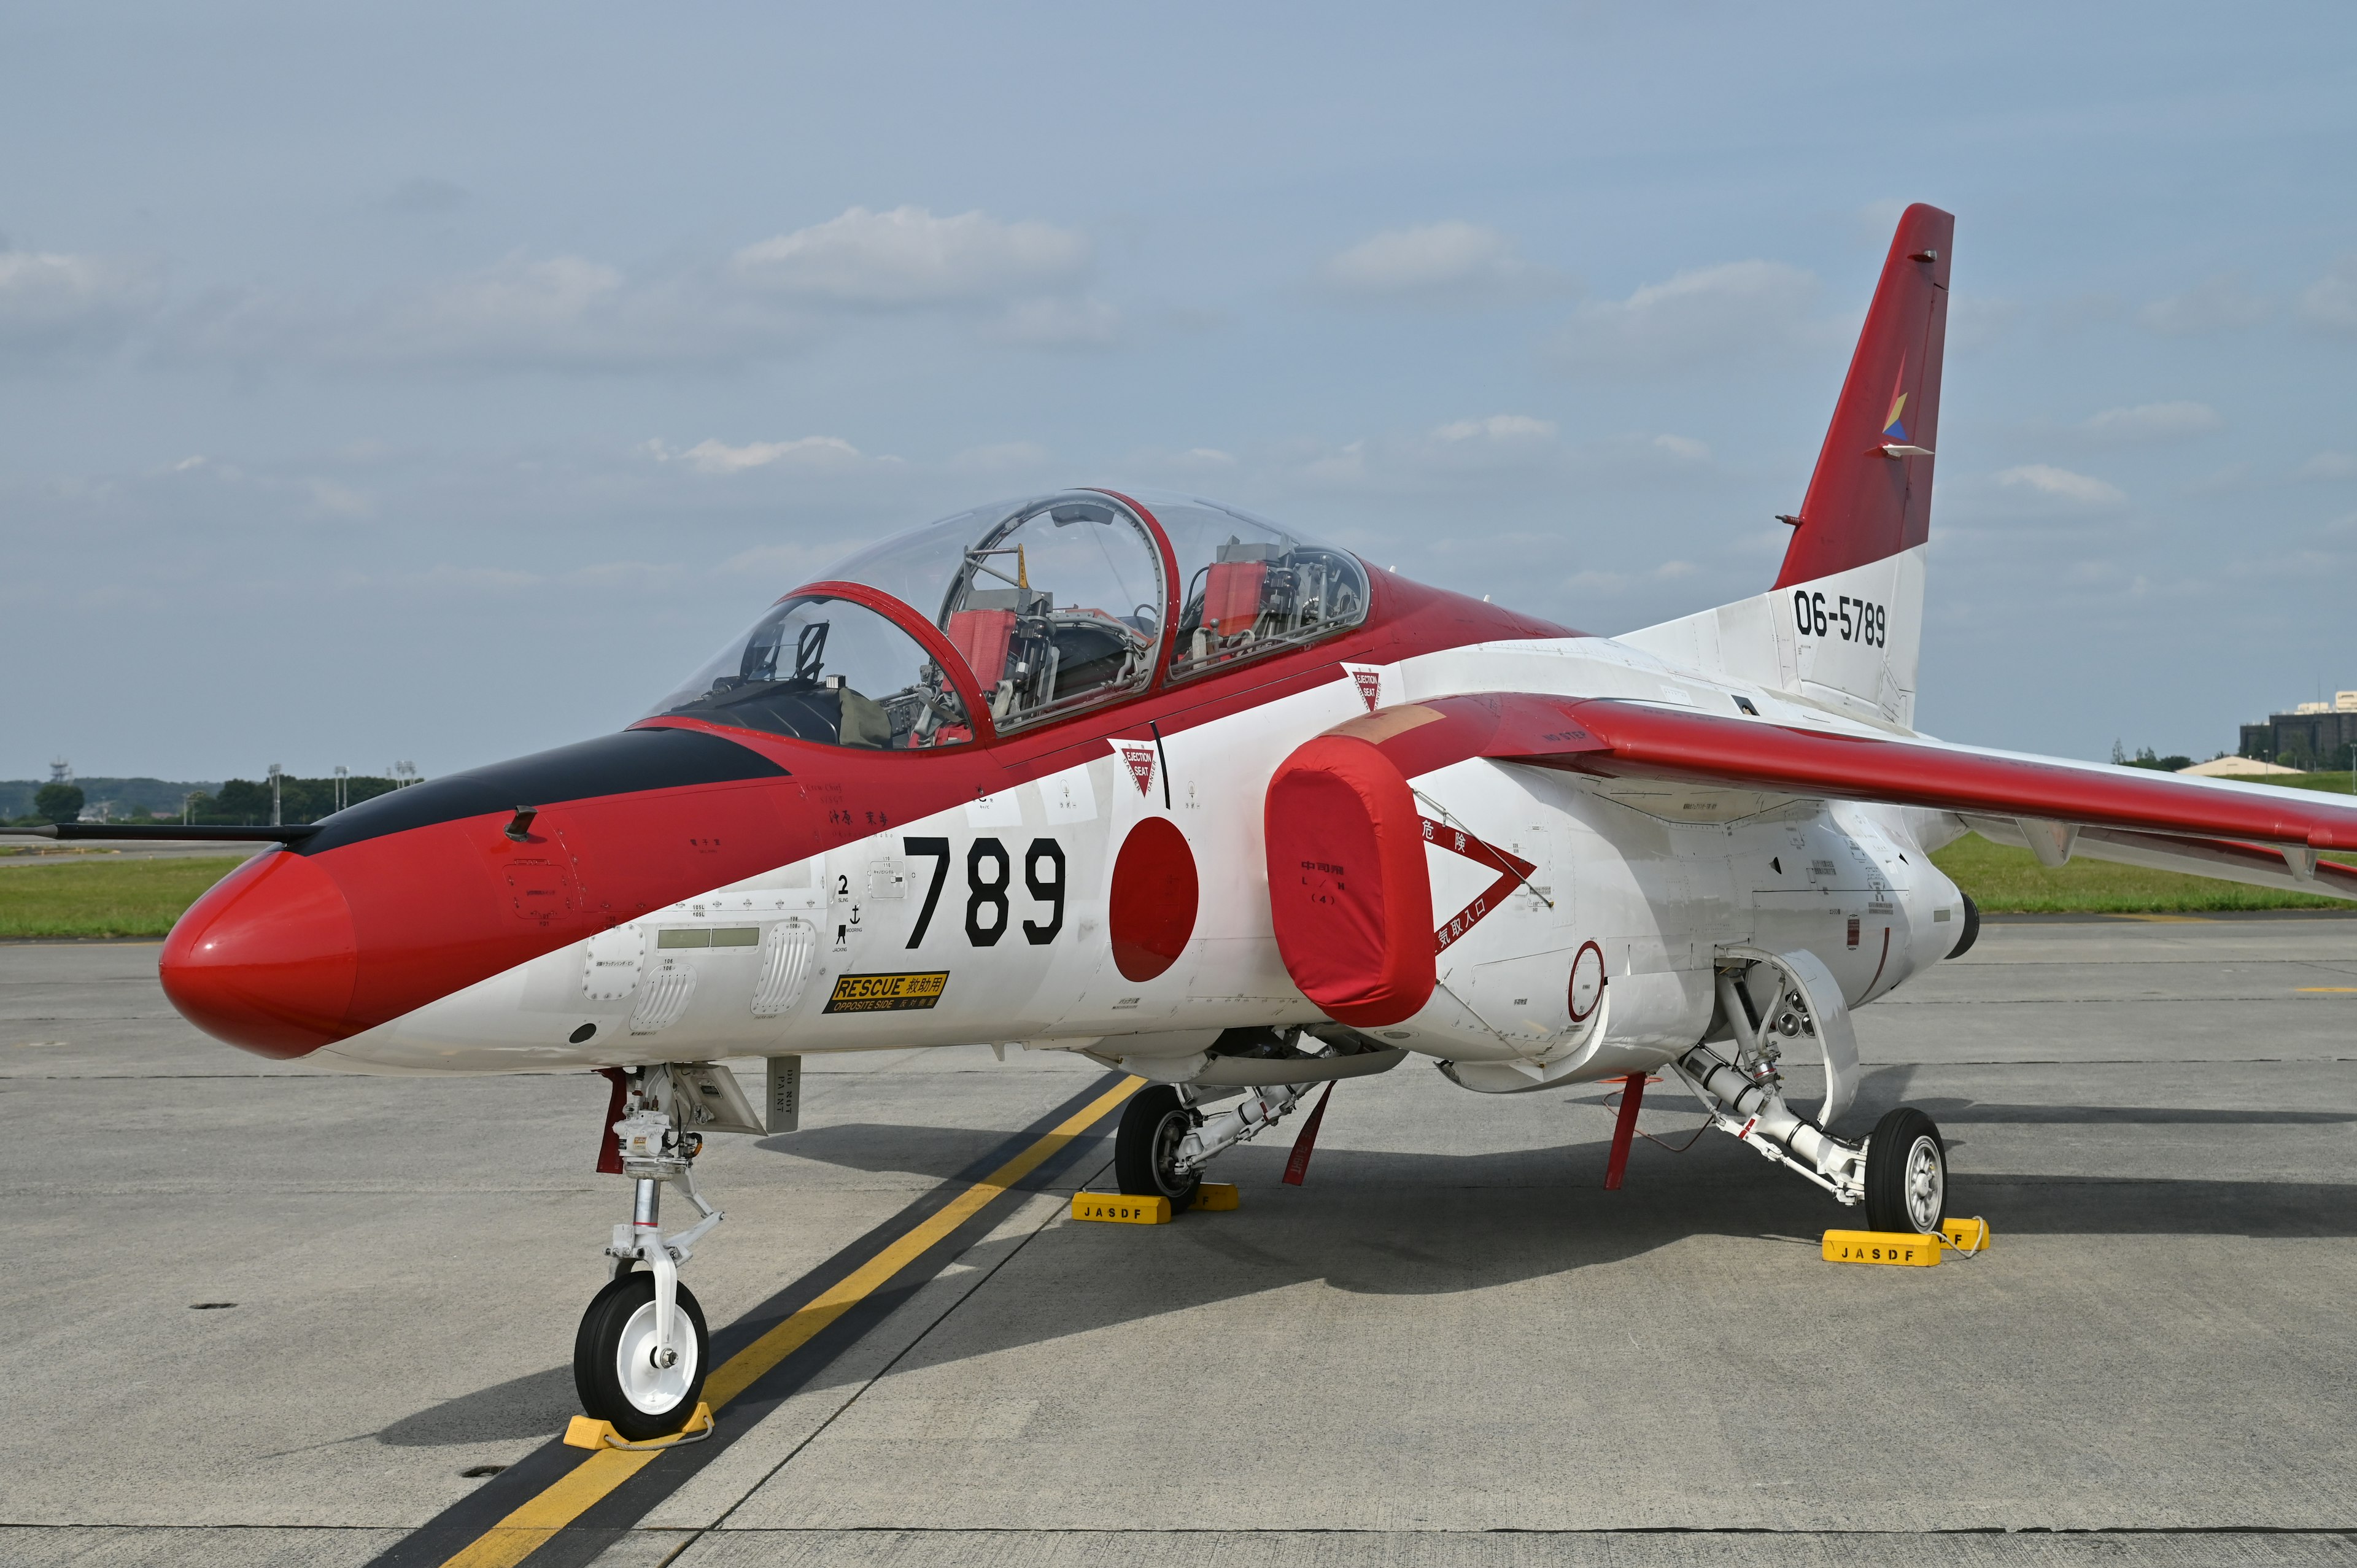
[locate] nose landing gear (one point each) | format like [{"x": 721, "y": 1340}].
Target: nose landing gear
[{"x": 642, "y": 1351}]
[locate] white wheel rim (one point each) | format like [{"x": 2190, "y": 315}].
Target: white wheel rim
[
  {"x": 1926, "y": 1184},
  {"x": 1169, "y": 1133},
  {"x": 652, "y": 1389}
]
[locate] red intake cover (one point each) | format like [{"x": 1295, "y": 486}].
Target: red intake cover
[{"x": 1347, "y": 885}]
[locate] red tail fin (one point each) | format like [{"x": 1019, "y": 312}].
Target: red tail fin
[{"x": 1871, "y": 495}]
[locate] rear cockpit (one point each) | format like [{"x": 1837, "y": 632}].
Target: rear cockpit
[{"x": 1020, "y": 613}]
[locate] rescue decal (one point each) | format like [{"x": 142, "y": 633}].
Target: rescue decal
[{"x": 887, "y": 992}]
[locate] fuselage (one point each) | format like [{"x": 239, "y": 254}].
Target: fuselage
[{"x": 688, "y": 891}]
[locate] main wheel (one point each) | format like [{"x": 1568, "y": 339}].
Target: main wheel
[
  {"x": 614, "y": 1368},
  {"x": 1145, "y": 1150},
  {"x": 1906, "y": 1175}
]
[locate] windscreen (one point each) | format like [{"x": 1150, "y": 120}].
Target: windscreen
[
  {"x": 829, "y": 670},
  {"x": 1055, "y": 604}
]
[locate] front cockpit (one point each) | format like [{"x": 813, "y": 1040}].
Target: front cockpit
[
  {"x": 1020, "y": 613},
  {"x": 830, "y": 669}
]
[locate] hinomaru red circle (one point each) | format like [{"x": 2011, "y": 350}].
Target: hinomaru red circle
[{"x": 1151, "y": 910}]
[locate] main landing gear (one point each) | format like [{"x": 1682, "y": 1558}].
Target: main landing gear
[
  {"x": 1899, "y": 1174},
  {"x": 1166, "y": 1138},
  {"x": 642, "y": 1354}
]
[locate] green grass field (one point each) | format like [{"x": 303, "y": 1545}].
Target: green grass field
[
  {"x": 2005, "y": 881},
  {"x": 99, "y": 897}
]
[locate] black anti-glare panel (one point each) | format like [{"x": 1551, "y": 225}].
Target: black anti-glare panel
[{"x": 620, "y": 764}]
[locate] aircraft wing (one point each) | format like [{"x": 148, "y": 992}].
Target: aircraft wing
[{"x": 2208, "y": 827}]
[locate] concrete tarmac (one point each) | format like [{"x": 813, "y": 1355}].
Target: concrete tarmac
[{"x": 1449, "y": 1347}]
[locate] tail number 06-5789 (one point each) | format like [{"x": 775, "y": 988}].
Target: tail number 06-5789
[
  {"x": 1852, "y": 620},
  {"x": 989, "y": 872}
]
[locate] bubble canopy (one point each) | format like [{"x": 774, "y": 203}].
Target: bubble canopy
[{"x": 1032, "y": 609}]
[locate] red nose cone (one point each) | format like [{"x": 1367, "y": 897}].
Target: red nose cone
[{"x": 266, "y": 960}]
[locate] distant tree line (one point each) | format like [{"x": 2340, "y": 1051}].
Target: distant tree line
[
  {"x": 245, "y": 802},
  {"x": 240, "y": 802}
]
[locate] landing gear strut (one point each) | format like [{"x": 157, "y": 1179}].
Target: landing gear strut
[
  {"x": 642, "y": 1354},
  {"x": 1900, "y": 1174},
  {"x": 1166, "y": 1138}
]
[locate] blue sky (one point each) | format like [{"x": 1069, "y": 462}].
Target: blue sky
[{"x": 444, "y": 383}]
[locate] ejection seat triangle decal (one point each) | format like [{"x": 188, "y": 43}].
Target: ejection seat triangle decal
[
  {"x": 1457, "y": 841},
  {"x": 1370, "y": 681},
  {"x": 1137, "y": 755}
]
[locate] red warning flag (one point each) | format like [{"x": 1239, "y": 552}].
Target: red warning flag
[{"x": 1297, "y": 1165}]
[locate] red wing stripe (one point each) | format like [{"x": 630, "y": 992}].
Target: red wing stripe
[{"x": 1634, "y": 740}]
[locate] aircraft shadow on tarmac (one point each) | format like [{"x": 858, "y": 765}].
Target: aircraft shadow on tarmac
[{"x": 1375, "y": 1222}]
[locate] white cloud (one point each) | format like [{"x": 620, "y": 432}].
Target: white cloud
[
  {"x": 711, "y": 457},
  {"x": 2329, "y": 466},
  {"x": 2046, "y": 481},
  {"x": 561, "y": 313},
  {"x": 1701, "y": 315},
  {"x": 1452, "y": 261},
  {"x": 2218, "y": 304},
  {"x": 52, "y": 303},
  {"x": 1498, "y": 427},
  {"x": 2330, "y": 302},
  {"x": 909, "y": 257},
  {"x": 1686, "y": 449},
  {"x": 2153, "y": 422}
]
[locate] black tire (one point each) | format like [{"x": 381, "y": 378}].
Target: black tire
[
  {"x": 649, "y": 1404},
  {"x": 1906, "y": 1175},
  {"x": 1151, "y": 1126}
]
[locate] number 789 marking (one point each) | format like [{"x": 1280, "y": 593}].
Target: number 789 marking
[{"x": 1043, "y": 876}]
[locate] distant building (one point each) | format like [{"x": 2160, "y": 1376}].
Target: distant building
[{"x": 2311, "y": 735}]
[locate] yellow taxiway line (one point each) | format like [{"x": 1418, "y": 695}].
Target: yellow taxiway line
[{"x": 516, "y": 1537}]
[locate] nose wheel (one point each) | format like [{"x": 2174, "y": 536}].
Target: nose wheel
[{"x": 644, "y": 1383}]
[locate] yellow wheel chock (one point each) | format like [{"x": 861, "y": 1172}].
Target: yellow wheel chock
[
  {"x": 1120, "y": 1208},
  {"x": 587, "y": 1432},
  {"x": 1966, "y": 1238}
]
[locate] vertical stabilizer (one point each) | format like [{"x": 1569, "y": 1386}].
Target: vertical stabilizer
[
  {"x": 1871, "y": 497},
  {"x": 1844, "y": 625}
]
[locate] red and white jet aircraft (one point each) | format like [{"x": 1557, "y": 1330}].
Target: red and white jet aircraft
[{"x": 1161, "y": 782}]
